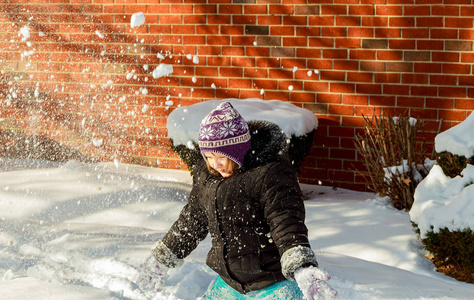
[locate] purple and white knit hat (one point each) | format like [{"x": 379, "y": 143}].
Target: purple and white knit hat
[{"x": 224, "y": 131}]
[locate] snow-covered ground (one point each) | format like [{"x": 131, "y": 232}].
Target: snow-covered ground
[{"x": 84, "y": 231}]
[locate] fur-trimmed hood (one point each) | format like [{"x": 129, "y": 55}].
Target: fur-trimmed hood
[{"x": 268, "y": 144}]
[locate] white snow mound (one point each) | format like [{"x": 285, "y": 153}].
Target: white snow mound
[{"x": 183, "y": 123}]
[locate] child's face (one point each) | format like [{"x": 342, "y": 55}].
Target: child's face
[{"x": 218, "y": 162}]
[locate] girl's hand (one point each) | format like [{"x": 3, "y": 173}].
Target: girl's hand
[
  {"x": 151, "y": 275},
  {"x": 312, "y": 282}
]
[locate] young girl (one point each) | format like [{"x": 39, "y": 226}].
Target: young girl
[{"x": 246, "y": 195}]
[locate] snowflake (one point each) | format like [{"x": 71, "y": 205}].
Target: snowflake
[
  {"x": 228, "y": 128},
  {"x": 206, "y": 133}
]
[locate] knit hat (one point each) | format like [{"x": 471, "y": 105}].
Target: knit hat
[{"x": 224, "y": 131}]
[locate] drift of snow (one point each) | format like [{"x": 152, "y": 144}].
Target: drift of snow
[
  {"x": 137, "y": 20},
  {"x": 183, "y": 123},
  {"x": 162, "y": 70},
  {"x": 457, "y": 140},
  {"x": 444, "y": 202},
  {"x": 84, "y": 231}
]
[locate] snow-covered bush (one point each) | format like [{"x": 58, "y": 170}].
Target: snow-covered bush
[
  {"x": 394, "y": 157},
  {"x": 443, "y": 211},
  {"x": 298, "y": 124}
]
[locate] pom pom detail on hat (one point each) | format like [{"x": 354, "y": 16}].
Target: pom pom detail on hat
[{"x": 224, "y": 131}]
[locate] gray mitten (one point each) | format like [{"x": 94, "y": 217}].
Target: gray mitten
[{"x": 165, "y": 256}]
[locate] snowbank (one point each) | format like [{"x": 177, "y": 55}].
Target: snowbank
[
  {"x": 183, "y": 123},
  {"x": 457, "y": 140},
  {"x": 84, "y": 231},
  {"x": 444, "y": 202}
]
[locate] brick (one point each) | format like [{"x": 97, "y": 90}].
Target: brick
[
  {"x": 404, "y": 22},
  {"x": 303, "y": 31},
  {"x": 417, "y": 56},
  {"x": 362, "y": 54},
  {"x": 355, "y": 99},
  {"x": 458, "y": 45},
  {"x": 268, "y": 20},
  {"x": 427, "y": 67},
  {"x": 240, "y": 83},
  {"x": 395, "y": 89},
  {"x": 257, "y": 51},
  {"x": 334, "y": 32},
  {"x": 445, "y": 103},
  {"x": 306, "y": 10},
  {"x": 257, "y": 30},
  {"x": 375, "y": 21},
  {"x": 444, "y": 33},
  {"x": 255, "y": 73},
  {"x": 295, "y": 42},
  {"x": 360, "y": 32},
  {"x": 372, "y": 66},
  {"x": 281, "y": 9},
  {"x": 303, "y": 97},
  {"x": 411, "y": 101},
  {"x": 328, "y": 98},
  {"x": 281, "y": 74},
  {"x": 429, "y": 22},
  {"x": 268, "y": 62},
  {"x": 205, "y": 9},
  {"x": 424, "y": 91},
  {"x": 348, "y": 21},
  {"x": 466, "y": 104},
  {"x": 361, "y": 10},
  {"x": 269, "y": 41},
  {"x": 401, "y": 44},
  {"x": 364, "y": 88},
  {"x": 456, "y": 92},
  {"x": 416, "y": 33},
  {"x": 335, "y": 53},
  {"x": 221, "y": 19},
  {"x": 381, "y": 100},
  {"x": 232, "y": 9},
  {"x": 295, "y": 20},
  {"x": 375, "y": 43},
  {"x": 347, "y": 43},
  {"x": 458, "y": 22},
  {"x": 445, "y": 10},
  {"x": 416, "y": 10},
  {"x": 360, "y": 77},
  {"x": 265, "y": 84},
  {"x": 387, "y": 77},
  {"x": 316, "y": 86},
  {"x": 336, "y": 87},
  {"x": 415, "y": 78},
  {"x": 243, "y": 61},
  {"x": 333, "y": 75},
  {"x": 321, "y": 20},
  {"x": 224, "y": 29},
  {"x": 321, "y": 42},
  {"x": 282, "y": 52},
  {"x": 255, "y": 9},
  {"x": 450, "y": 114},
  {"x": 242, "y": 40},
  {"x": 390, "y": 10},
  {"x": 346, "y": 65},
  {"x": 456, "y": 68},
  {"x": 333, "y": 9}
]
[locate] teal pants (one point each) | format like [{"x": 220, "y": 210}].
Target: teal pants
[{"x": 283, "y": 290}]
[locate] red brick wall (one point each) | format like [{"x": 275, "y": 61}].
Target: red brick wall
[{"x": 66, "y": 82}]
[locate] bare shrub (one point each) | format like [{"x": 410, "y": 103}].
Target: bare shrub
[{"x": 394, "y": 157}]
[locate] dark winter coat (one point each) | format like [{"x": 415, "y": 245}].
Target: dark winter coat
[{"x": 253, "y": 216}]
